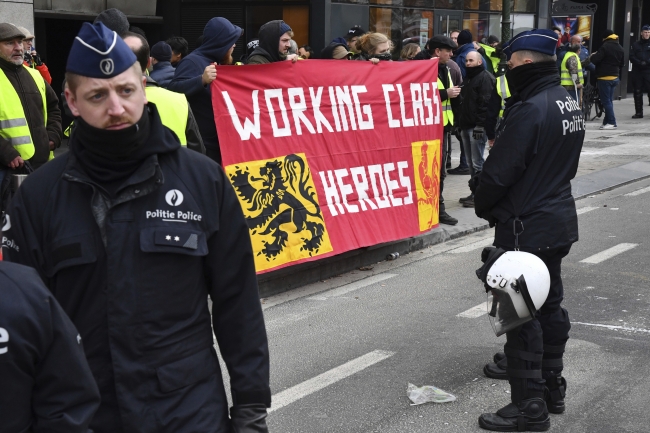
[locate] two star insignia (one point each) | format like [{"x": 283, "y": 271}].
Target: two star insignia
[{"x": 169, "y": 238}]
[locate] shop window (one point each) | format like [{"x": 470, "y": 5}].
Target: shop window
[
  {"x": 495, "y": 26},
  {"x": 522, "y": 23},
  {"x": 417, "y": 26},
  {"x": 389, "y": 22},
  {"x": 518, "y": 6},
  {"x": 386, "y": 2},
  {"x": 477, "y": 24},
  {"x": 483, "y": 5},
  {"x": 419, "y": 3},
  {"x": 449, "y": 4}
]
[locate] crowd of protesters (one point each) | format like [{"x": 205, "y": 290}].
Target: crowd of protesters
[{"x": 177, "y": 84}]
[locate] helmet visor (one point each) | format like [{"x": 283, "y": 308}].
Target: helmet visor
[{"x": 505, "y": 310}]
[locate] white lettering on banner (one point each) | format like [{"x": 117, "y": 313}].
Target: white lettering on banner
[
  {"x": 348, "y": 112},
  {"x": 269, "y": 94},
  {"x": 249, "y": 127},
  {"x": 298, "y": 109},
  {"x": 4, "y": 338},
  {"x": 363, "y": 124},
  {"x": 337, "y": 190}
]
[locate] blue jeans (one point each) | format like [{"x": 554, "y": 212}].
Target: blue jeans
[
  {"x": 474, "y": 150},
  {"x": 606, "y": 93}
]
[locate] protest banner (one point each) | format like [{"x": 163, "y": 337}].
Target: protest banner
[{"x": 329, "y": 156}]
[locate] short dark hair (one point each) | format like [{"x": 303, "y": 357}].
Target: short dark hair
[
  {"x": 308, "y": 49},
  {"x": 536, "y": 56},
  {"x": 556, "y": 29},
  {"x": 138, "y": 30},
  {"x": 143, "y": 53},
  {"x": 179, "y": 45}
]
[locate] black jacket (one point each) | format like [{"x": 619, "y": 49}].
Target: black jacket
[
  {"x": 267, "y": 51},
  {"x": 32, "y": 101},
  {"x": 640, "y": 53},
  {"x": 46, "y": 384},
  {"x": 163, "y": 73},
  {"x": 608, "y": 59},
  {"x": 529, "y": 170},
  {"x": 476, "y": 93},
  {"x": 134, "y": 272}
]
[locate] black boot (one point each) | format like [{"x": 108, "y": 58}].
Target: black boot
[
  {"x": 552, "y": 366},
  {"x": 528, "y": 415},
  {"x": 555, "y": 392},
  {"x": 638, "y": 105},
  {"x": 497, "y": 369}
]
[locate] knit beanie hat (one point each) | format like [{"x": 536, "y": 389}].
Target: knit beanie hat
[
  {"x": 114, "y": 19},
  {"x": 464, "y": 37},
  {"x": 284, "y": 27},
  {"x": 161, "y": 51},
  {"x": 607, "y": 33}
]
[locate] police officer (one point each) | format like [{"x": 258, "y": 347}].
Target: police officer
[
  {"x": 134, "y": 232},
  {"x": 46, "y": 384},
  {"x": 640, "y": 59},
  {"x": 525, "y": 190}
]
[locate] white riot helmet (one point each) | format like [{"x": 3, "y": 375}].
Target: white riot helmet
[{"x": 517, "y": 284}]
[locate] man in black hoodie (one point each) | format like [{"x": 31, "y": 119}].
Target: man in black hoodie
[
  {"x": 640, "y": 59},
  {"x": 475, "y": 95},
  {"x": 275, "y": 41},
  {"x": 609, "y": 61},
  {"x": 148, "y": 231},
  {"x": 195, "y": 73}
]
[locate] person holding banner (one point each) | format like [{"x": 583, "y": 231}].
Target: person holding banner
[
  {"x": 274, "y": 43},
  {"x": 135, "y": 233},
  {"x": 197, "y": 71},
  {"x": 525, "y": 189}
]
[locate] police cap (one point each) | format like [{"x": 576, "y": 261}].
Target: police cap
[
  {"x": 540, "y": 40},
  {"x": 98, "y": 52}
]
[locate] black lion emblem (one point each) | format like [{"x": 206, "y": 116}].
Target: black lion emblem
[{"x": 277, "y": 203}]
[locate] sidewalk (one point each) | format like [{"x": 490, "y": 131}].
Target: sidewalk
[{"x": 609, "y": 158}]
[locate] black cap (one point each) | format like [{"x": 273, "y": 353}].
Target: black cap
[{"x": 440, "y": 41}]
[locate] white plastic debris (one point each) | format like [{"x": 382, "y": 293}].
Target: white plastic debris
[{"x": 427, "y": 393}]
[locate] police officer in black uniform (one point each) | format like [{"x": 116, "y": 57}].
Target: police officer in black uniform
[
  {"x": 525, "y": 190},
  {"x": 640, "y": 59},
  {"x": 45, "y": 382},
  {"x": 132, "y": 233}
]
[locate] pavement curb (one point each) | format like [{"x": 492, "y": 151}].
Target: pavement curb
[{"x": 286, "y": 279}]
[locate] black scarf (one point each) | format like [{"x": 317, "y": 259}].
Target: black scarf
[
  {"x": 473, "y": 71},
  {"x": 523, "y": 76},
  {"x": 110, "y": 157}
]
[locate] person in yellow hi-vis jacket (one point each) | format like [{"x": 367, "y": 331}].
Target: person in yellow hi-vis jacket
[{"x": 30, "y": 119}]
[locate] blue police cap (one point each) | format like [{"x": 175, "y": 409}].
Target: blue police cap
[
  {"x": 540, "y": 40},
  {"x": 98, "y": 52}
]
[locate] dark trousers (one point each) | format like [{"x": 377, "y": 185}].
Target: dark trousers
[
  {"x": 640, "y": 84},
  {"x": 546, "y": 334},
  {"x": 446, "y": 137}
]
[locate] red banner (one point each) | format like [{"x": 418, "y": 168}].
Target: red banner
[{"x": 328, "y": 156}]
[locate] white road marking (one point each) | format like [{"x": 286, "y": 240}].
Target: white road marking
[
  {"x": 613, "y": 327},
  {"x": 328, "y": 378},
  {"x": 609, "y": 253},
  {"x": 486, "y": 242},
  {"x": 474, "y": 312},
  {"x": 637, "y": 192},
  {"x": 586, "y": 209},
  {"x": 339, "y": 291}
]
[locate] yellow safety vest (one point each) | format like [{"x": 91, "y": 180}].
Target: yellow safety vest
[
  {"x": 172, "y": 108},
  {"x": 495, "y": 60},
  {"x": 504, "y": 92},
  {"x": 447, "y": 114},
  {"x": 13, "y": 123},
  {"x": 565, "y": 76}
]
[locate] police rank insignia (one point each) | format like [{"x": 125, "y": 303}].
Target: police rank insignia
[{"x": 281, "y": 207}]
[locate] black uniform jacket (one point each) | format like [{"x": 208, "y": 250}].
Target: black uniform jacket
[
  {"x": 134, "y": 273},
  {"x": 529, "y": 170},
  {"x": 640, "y": 56},
  {"x": 45, "y": 382}
]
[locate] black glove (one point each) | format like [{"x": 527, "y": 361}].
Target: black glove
[
  {"x": 474, "y": 182},
  {"x": 37, "y": 59},
  {"x": 249, "y": 418},
  {"x": 478, "y": 132}
]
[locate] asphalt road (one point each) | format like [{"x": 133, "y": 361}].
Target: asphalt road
[{"x": 344, "y": 350}]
